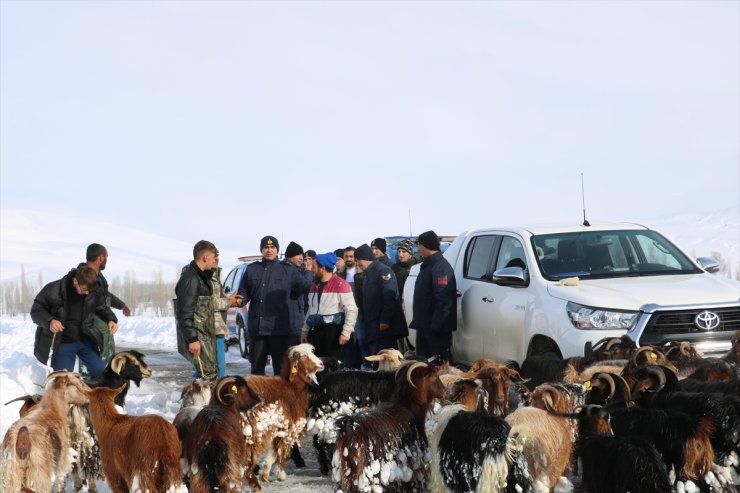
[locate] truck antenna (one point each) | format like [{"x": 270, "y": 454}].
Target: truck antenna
[
  {"x": 411, "y": 233},
  {"x": 583, "y": 201}
]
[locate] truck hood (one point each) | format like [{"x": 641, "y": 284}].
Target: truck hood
[{"x": 632, "y": 293}]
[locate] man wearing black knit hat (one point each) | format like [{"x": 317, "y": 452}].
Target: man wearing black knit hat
[
  {"x": 270, "y": 286},
  {"x": 383, "y": 320},
  {"x": 379, "y": 246},
  {"x": 435, "y": 300}
]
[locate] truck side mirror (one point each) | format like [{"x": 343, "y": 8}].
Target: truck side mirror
[{"x": 709, "y": 264}]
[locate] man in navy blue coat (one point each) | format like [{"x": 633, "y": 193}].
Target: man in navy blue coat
[
  {"x": 435, "y": 300},
  {"x": 268, "y": 286},
  {"x": 383, "y": 319}
]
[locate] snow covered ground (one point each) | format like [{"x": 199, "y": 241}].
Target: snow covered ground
[{"x": 19, "y": 372}]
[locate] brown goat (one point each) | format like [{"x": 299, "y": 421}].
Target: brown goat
[
  {"x": 277, "y": 423},
  {"x": 215, "y": 447},
  {"x": 151, "y": 460},
  {"x": 545, "y": 439},
  {"x": 35, "y": 448},
  {"x": 645, "y": 356}
]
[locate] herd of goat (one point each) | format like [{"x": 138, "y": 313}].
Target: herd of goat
[{"x": 619, "y": 419}]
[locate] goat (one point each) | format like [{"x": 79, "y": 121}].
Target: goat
[
  {"x": 659, "y": 387},
  {"x": 35, "y": 452},
  {"x": 385, "y": 446},
  {"x": 193, "y": 397},
  {"x": 387, "y": 359},
  {"x": 713, "y": 370},
  {"x": 644, "y": 356},
  {"x": 215, "y": 447},
  {"x": 469, "y": 447},
  {"x": 343, "y": 393},
  {"x": 612, "y": 464},
  {"x": 279, "y": 420},
  {"x": 153, "y": 463},
  {"x": 124, "y": 367},
  {"x": 544, "y": 437},
  {"x": 733, "y": 355}
]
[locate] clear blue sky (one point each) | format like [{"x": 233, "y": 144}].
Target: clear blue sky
[{"x": 326, "y": 122}]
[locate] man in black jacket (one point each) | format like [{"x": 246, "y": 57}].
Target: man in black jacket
[
  {"x": 63, "y": 311},
  {"x": 194, "y": 311},
  {"x": 435, "y": 300},
  {"x": 383, "y": 319},
  {"x": 269, "y": 287}
]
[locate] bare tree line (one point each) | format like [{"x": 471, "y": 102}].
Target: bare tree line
[{"x": 154, "y": 297}]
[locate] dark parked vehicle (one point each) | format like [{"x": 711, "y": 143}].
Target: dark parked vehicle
[{"x": 236, "y": 317}]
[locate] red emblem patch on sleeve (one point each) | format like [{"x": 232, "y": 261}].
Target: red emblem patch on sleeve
[{"x": 442, "y": 281}]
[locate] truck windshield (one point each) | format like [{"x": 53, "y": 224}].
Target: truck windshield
[{"x": 601, "y": 254}]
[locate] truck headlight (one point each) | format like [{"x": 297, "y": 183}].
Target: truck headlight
[{"x": 586, "y": 317}]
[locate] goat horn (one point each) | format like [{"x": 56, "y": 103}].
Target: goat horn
[
  {"x": 638, "y": 352},
  {"x": 34, "y": 397},
  {"x": 221, "y": 384},
  {"x": 656, "y": 371},
  {"x": 684, "y": 348},
  {"x": 411, "y": 367},
  {"x": 612, "y": 342},
  {"x": 53, "y": 375},
  {"x": 612, "y": 384}
]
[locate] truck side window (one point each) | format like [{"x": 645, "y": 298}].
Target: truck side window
[
  {"x": 478, "y": 257},
  {"x": 511, "y": 254}
]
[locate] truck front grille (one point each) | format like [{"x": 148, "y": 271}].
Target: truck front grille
[{"x": 682, "y": 321}]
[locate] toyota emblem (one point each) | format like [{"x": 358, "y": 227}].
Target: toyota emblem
[{"x": 707, "y": 320}]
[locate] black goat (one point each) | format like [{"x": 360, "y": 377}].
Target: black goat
[
  {"x": 123, "y": 368},
  {"x": 341, "y": 393},
  {"x": 616, "y": 464}
]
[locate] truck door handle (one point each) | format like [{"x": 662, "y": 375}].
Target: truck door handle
[
  {"x": 459, "y": 294},
  {"x": 488, "y": 299}
]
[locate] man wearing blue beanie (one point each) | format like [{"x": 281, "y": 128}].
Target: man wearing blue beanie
[{"x": 331, "y": 309}]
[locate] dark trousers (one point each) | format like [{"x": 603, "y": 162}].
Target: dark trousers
[
  {"x": 383, "y": 343},
  {"x": 325, "y": 340},
  {"x": 274, "y": 346},
  {"x": 67, "y": 353},
  {"x": 432, "y": 343}
]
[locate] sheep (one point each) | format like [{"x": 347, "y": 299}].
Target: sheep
[
  {"x": 279, "y": 420},
  {"x": 152, "y": 460},
  {"x": 343, "y": 393},
  {"x": 544, "y": 437},
  {"x": 35, "y": 451},
  {"x": 384, "y": 447},
  {"x": 612, "y": 464},
  {"x": 608, "y": 389},
  {"x": 215, "y": 447}
]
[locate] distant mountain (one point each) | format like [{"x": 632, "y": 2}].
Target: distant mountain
[{"x": 51, "y": 243}]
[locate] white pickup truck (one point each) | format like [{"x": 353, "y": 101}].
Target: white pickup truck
[{"x": 556, "y": 290}]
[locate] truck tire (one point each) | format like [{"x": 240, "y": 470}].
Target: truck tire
[
  {"x": 543, "y": 346},
  {"x": 243, "y": 337}
]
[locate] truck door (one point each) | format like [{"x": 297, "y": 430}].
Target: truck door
[
  {"x": 505, "y": 339},
  {"x": 474, "y": 310}
]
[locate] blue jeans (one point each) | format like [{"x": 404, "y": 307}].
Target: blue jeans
[
  {"x": 67, "y": 353},
  {"x": 221, "y": 356}
]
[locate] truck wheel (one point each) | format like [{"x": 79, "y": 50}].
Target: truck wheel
[
  {"x": 243, "y": 337},
  {"x": 545, "y": 347}
]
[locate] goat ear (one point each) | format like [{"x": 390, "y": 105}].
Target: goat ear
[
  {"x": 118, "y": 390},
  {"x": 373, "y": 357}
]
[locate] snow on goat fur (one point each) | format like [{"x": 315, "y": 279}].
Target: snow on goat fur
[
  {"x": 385, "y": 448},
  {"x": 274, "y": 425}
]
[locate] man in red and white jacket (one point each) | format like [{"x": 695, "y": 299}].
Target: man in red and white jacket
[{"x": 332, "y": 311}]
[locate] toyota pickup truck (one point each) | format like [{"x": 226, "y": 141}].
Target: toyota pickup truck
[{"x": 557, "y": 290}]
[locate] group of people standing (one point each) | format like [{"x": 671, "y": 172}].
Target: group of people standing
[
  {"x": 346, "y": 303},
  {"x": 74, "y": 317}
]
